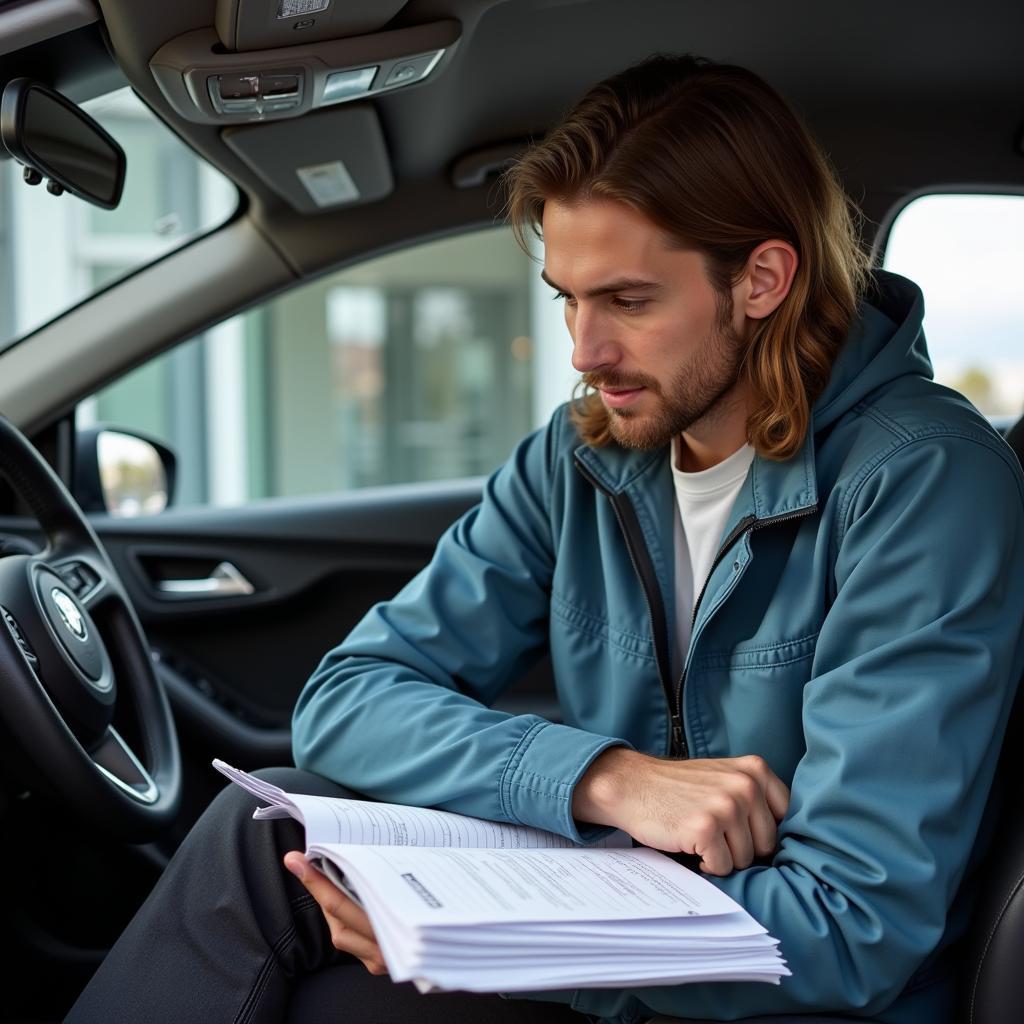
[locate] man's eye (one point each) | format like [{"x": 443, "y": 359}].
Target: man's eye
[
  {"x": 562, "y": 295},
  {"x": 630, "y": 305}
]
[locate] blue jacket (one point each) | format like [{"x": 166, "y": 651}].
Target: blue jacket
[{"x": 861, "y": 631}]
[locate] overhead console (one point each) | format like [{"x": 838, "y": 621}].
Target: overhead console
[{"x": 205, "y": 82}]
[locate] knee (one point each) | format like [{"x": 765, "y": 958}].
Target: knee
[
  {"x": 226, "y": 826},
  {"x": 233, "y": 797},
  {"x": 236, "y": 804},
  {"x": 291, "y": 780},
  {"x": 229, "y": 809},
  {"x": 298, "y": 780},
  {"x": 230, "y": 813}
]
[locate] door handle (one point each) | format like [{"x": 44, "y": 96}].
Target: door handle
[{"x": 224, "y": 581}]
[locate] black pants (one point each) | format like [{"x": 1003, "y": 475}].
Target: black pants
[{"x": 229, "y": 936}]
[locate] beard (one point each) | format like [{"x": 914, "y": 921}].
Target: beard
[{"x": 695, "y": 392}]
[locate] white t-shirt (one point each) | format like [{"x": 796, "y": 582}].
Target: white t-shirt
[{"x": 703, "y": 501}]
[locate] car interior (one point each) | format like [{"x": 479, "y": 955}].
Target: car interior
[{"x": 342, "y": 140}]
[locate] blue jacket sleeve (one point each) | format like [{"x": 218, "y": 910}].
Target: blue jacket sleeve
[
  {"x": 398, "y": 710},
  {"x": 915, "y": 670}
]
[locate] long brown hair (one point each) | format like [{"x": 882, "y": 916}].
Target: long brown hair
[{"x": 716, "y": 158}]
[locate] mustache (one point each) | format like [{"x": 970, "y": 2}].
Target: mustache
[{"x": 618, "y": 382}]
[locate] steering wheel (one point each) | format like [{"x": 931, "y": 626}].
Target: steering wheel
[{"x": 71, "y": 652}]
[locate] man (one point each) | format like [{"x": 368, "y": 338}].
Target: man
[{"x": 776, "y": 645}]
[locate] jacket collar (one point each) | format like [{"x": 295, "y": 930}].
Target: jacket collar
[{"x": 771, "y": 489}]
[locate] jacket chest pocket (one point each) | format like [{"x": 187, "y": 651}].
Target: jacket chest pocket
[{"x": 749, "y": 700}]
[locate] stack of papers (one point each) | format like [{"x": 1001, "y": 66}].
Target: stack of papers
[{"x": 460, "y": 903}]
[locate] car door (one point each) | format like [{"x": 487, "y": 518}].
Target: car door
[{"x": 324, "y": 441}]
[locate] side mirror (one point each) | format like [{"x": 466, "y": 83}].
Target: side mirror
[
  {"x": 122, "y": 473},
  {"x": 56, "y": 139}
]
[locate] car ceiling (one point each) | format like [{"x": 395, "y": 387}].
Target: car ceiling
[{"x": 905, "y": 96}]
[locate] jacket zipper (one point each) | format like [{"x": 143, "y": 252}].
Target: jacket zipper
[
  {"x": 636, "y": 548},
  {"x": 640, "y": 558}
]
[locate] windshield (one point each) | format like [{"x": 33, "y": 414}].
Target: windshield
[{"x": 56, "y": 251}]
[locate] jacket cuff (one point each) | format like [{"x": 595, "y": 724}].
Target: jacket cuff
[{"x": 539, "y": 778}]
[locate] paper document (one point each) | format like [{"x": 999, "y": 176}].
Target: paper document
[{"x": 461, "y": 903}]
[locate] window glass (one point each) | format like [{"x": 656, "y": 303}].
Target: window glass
[
  {"x": 426, "y": 364},
  {"x": 56, "y": 251},
  {"x": 967, "y": 254}
]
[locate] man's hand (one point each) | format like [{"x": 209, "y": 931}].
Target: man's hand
[
  {"x": 349, "y": 925},
  {"x": 725, "y": 810}
]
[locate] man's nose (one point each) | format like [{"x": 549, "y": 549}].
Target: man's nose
[{"x": 593, "y": 344}]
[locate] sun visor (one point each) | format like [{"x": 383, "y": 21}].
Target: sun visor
[{"x": 319, "y": 162}]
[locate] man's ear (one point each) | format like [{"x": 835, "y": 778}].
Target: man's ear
[{"x": 768, "y": 278}]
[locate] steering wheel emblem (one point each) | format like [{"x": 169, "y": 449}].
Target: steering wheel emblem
[{"x": 69, "y": 613}]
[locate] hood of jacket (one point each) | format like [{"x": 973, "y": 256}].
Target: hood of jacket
[{"x": 886, "y": 341}]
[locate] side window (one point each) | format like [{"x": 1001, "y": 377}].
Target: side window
[
  {"x": 426, "y": 364},
  {"x": 966, "y": 253}
]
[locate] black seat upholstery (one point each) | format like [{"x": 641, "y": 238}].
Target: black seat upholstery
[
  {"x": 1015, "y": 439},
  {"x": 992, "y": 984}
]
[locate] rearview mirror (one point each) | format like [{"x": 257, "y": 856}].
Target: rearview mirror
[{"x": 56, "y": 139}]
